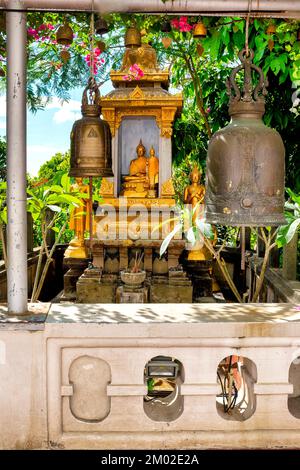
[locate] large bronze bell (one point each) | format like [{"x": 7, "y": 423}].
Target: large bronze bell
[
  {"x": 133, "y": 37},
  {"x": 91, "y": 138},
  {"x": 245, "y": 162},
  {"x": 64, "y": 35}
]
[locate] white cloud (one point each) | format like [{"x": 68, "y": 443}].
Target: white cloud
[
  {"x": 67, "y": 111},
  {"x": 64, "y": 115}
]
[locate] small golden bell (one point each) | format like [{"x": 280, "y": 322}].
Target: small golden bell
[
  {"x": 101, "y": 45},
  {"x": 200, "y": 30},
  {"x": 271, "y": 29},
  {"x": 101, "y": 26},
  {"x": 133, "y": 37},
  {"x": 64, "y": 35},
  {"x": 65, "y": 56}
]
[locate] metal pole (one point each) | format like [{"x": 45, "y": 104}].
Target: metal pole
[
  {"x": 16, "y": 160},
  {"x": 224, "y": 7}
]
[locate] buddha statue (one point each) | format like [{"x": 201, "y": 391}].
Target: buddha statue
[
  {"x": 194, "y": 195},
  {"x": 195, "y": 192},
  {"x": 136, "y": 184},
  {"x": 138, "y": 166},
  {"x": 79, "y": 222},
  {"x": 143, "y": 174},
  {"x": 153, "y": 172}
]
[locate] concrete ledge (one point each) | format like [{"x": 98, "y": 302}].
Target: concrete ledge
[
  {"x": 33, "y": 319},
  {"x": 182, "y": 320}
]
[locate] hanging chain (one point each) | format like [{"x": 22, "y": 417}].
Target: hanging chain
[
  {"x": 92, "y": 56},
  {"x": 247, "y": 28},
  {"x": 92, "y": 46}
]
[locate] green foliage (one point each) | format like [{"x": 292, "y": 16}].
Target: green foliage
[
  {"x": 48, "y": 75},
  {"x": 194, "y": 228},
  {"x": 2, "y": 159},
  {"x": 3, "y": 208},
  {"x": 53, "y": 169},
  {"x": 292, "y": 214}
]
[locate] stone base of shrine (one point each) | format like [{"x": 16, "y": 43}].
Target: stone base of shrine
[{"x": 72, "y": 376}]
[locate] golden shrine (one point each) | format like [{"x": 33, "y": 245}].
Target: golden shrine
[{"x": 138, "y": 205}]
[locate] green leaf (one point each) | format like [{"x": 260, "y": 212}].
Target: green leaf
[
  {"x": 293, "y": 195},
  {"x": 69, "y": 199},
  {"x": 275, "y": 65},
  {"x": 65, "y": 182},
  {"x": 215, "y": 44},
  {"x": 292, "y": 230},
  {"x": 56, "y": 189}
]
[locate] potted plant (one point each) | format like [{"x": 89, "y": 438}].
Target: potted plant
[{"x": 135, "y": 276}]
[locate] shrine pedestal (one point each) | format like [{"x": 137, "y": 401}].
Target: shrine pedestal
[
  {"x": 95, "y": 287},
  {"x": 174, "y": 288},
  {"x": 76, "y": 267},
  {"x": 128, "y": 295},
  {"x": 202, "y": 280}
]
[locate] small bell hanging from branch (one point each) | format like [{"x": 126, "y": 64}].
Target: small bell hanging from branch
[
  {"x": 64, "y": 35},
  {"x": 101, "y": 26},
  {"x": 200, "y": 30}
]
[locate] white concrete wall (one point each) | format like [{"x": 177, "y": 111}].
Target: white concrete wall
[
  {"x": 126, "y": 337},
  {"x": 23, "y": 413}
]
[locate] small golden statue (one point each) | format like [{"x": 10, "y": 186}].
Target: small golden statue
[
  {"x": 79, "y": 222},
  {"x": 194, "y": 195},
  {"x": 153, "y": 172},
  {"x": 143, "y": 174},
  {"x": 195, "y": 192}
]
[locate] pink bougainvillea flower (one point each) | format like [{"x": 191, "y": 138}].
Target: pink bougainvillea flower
[
  {"x": 33, "y": 33},
  {"x": 135, "y": 69},
  {"x": 175, "y": 23},
  {"x": 135, "y": 73},
  {"x": 182, "y": 24},
  {"x": 96, "y": 59}
]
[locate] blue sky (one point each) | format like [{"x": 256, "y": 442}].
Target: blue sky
[{"x": 48, "y": 131}]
